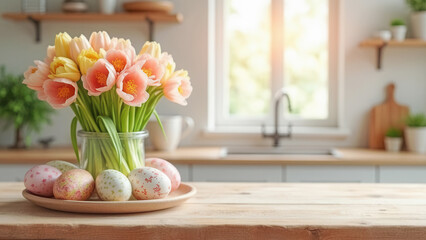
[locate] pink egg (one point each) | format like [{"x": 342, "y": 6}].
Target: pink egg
[
  {"x": 40, "y": 180},
  {"x": 149, "y": 183},
  {"x": 75, "y": 184},
  {"x": 167, "y": 168}
]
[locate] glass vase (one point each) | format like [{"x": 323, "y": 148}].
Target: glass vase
[{"x": 98, "y": 152}]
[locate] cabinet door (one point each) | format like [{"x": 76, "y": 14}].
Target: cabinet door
[
  {"x": 237, "y": 173},
  {"x": 356, "y": 174},
  {"x": 402, "y": 174},
  {"x": 184, "y": 171},
  {"x": 14, "y": 172}
]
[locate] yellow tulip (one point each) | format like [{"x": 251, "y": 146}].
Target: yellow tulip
[
  {"x": 87, "y": 59},
  {"x": 62, "y": 45},
  {"x": 152, "y": 48},
  {"x": 169, "y": 65},
  {"x": 62, "y": 67}
]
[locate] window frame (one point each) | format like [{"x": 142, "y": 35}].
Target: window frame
[{"x": 218, "y": 118}]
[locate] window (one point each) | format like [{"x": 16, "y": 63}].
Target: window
[{"x": 262, "y": 46}]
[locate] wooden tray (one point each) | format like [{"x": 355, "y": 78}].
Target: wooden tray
[
  {"x": 177, "y": 197},
  {"x": 148, "y": 6}
]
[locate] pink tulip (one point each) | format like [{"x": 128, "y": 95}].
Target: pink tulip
[
  {"x": 118, "y": 59},
  {"x": 41, "y": 95},
  {"x": 35, "y": 76},
  {"x": 178, "y": 88},
  {"x": 100, "y": 40},
  {"x": 131, "y": 86},
  {"x": 152, "y": 68},
  {"x": 124, "y": 45},
  {"x": 60, "y": 92},
  {"x": 77, "y": 45},
  {"x": 99, "y": 78},
  {"x": 51, "y": 54}
]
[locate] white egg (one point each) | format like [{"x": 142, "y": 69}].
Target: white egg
[
  {"x": 149, "y": 183},
  {"x": 112, "y": 185},
  {"x": 62, "y": 165}
]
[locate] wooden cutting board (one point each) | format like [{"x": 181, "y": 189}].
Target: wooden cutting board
[{"x": 384, "y": 116}]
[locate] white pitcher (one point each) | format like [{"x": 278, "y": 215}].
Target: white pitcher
[{"x": 175, "y": 128}]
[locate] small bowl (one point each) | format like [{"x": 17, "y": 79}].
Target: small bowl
[
  {"x": 385, "y": 35},
  {"x": 148, "y": 6}
]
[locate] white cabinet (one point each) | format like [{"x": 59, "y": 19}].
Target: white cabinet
[
  {"x": 185, "y": 172},
  {"x": 237, "y": 173},
  {"x": 14, "y": 172},
  {"x": 402, "y": 174},
  {"x": 356, "y": 174},
  {"x": 271, "y": 173}
]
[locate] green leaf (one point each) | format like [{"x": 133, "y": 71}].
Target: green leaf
[
  {"x": 113, "y": 134},
  {"x": 159, "y": 123},
  {"x": 125, "y": 118},
  {"x": 74, "y": 138}
]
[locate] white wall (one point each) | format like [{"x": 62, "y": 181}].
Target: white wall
[{"x": 187, "y": 42}]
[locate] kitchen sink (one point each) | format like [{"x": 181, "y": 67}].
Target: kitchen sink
[{"x": 266, "y": 150}]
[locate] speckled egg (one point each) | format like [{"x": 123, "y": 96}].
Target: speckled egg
[
  {"x": 40, "y": 179},
  {"x": 149, "y": 183},
  {"x": 75, "y": 184},
  {"x": 62, "y": 165},
  {"x": 167, "y": 168},
  {"x": 112, "y": 185}
]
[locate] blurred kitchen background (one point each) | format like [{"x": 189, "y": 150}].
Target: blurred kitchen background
[{"x": 240, "y": 53}]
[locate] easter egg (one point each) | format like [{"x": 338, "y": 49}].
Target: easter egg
[
  {"x": 62, "y": 165},
  {"x": 75, "y": 184},
  {"x": 167, "y": 168},
  {"x": 40, "y": 180},
  {"x": 149, "y": 183},
  {"x": 112, "y": 185}
]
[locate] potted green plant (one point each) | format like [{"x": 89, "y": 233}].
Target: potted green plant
[
  {"x": 20, "y": 107},
  {"x": 418, "y": 17},
  {"x": 415, "y": 133},
  {"x": 393, "y": 140},
  {"x": 399, "y": 30}
]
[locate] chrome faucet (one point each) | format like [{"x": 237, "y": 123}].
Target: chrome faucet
[{"x": 276, "y": 135}]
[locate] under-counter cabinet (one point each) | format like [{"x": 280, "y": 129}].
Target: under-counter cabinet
[
  {"x": 237, "y": 173},
  {"x": 14, "y": 172},
  {"x": 402, "y": 174},
  {"x": 185, "y": 172},
  {"x": 349, "y": 174}
]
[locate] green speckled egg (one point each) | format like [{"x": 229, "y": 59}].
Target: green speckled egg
[
  {"x": 62, "y": 165},
  {"x": 112, "y": 185}
]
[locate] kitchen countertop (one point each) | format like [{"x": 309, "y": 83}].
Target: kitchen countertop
[
  {"x": 238, "y": 211},
  {"x": 217, "y": 155}
]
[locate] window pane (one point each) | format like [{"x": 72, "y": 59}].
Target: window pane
[
  {"x": 247, "y": 35},
  {"x": 306, "y": 57}
]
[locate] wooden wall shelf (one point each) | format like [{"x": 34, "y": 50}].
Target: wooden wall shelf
[
  {"x": 149, "y": 17},
  {"x": 380, "y": 45}
]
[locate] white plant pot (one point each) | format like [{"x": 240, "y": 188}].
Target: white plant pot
[
  {"x": 399, "y": 32},
  {"x": 393, "y": 144},
  {"x": 107, "y": 6},
  {"x": 418, "y": 22},
  {"x": 415, "y": 137}
]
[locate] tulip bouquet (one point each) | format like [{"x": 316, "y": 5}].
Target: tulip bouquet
[{"x": 111, "y": 90}]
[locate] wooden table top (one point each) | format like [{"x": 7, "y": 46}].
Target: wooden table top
[{"x": 238, "y": 211}]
